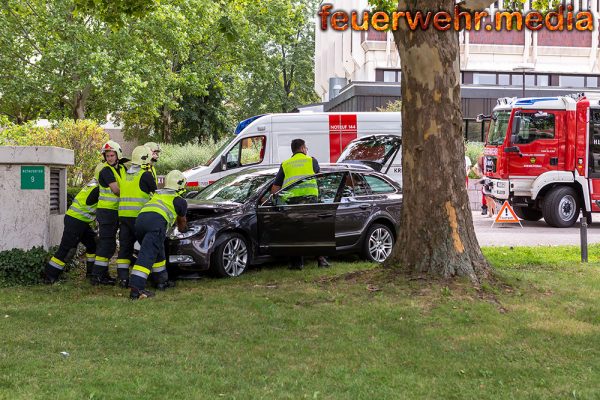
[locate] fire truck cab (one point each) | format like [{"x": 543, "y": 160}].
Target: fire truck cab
[{"x": 543, "y": 155}]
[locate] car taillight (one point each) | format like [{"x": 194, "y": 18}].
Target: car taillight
[{"x": 192, "y": 183}]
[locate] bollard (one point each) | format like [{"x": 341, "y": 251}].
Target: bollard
[{"x": 583, "y": 236}]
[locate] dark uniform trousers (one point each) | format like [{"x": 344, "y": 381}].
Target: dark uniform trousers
[
  {"x": 75, "y": 231},
  {"x": 126, "y": 243},
  {"x": 108, "y": 224},
  {"x": 151, "y": 231}
]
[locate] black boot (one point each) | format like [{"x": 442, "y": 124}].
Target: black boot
[
  {"x": 165, "y": 285},
  {"x": 124, "y": 283},
  {"x": 136, "y": 294},
  {"x": 322, "y": 262},
  {"x": 89, "y": 267},
  {"x": 483, "y": 210},
  {"x": 50, "y": 274},
  {"x": 105, "y": 280}
]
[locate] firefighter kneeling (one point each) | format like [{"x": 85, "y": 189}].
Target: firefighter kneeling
[{"x": 164, "y": 209}]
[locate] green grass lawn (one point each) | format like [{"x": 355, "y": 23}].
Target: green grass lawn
[{"x": 349, "y": 332}]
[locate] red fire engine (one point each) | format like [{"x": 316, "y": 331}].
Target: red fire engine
[{"x": 543, "y": 155}]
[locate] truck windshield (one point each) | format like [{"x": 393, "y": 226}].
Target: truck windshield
[
  {"x": 498, "y": 127},
  {"x": 218, "y": 152}
]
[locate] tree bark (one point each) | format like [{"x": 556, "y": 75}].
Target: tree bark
[
  {"x": 167, "y": 122},
  {"x": 437, "y": 235}
]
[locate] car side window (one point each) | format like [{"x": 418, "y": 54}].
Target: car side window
[
  {"x": 378, "y": 185},
  {"x": 354, "y": 185},
  {"x": 248, "y": 151},
  {"x": 315, "y": 189}
]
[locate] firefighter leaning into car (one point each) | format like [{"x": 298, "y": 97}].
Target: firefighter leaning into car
[
  {"x": 291, "y": 170},
  {"x": 155, "y": 149},
  {"x": 77, "y": 229},
  {"x": 137, "y": 186},
  {"x": 107, "y": 213},
  {"x": 164, "y": 209}
]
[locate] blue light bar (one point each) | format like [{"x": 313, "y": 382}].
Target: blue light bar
[
  {"x": 246, "y": 122},
  {"x": 528, "y": 102}
]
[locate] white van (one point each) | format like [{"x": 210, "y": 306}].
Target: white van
[{"x": 266, "y": 139}]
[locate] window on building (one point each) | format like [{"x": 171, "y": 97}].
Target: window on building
[
  {"x": 591, "y": 81},
  {"x": 473, "y": 130},
  {"x": 571, "y": 81},
  {"x": 529, "y": 80},
  {"x": 504, "y": 79},
  {"x": 484, "y": 79},
  {"x": 542, "y": 80},
  {"x": 389, "y": 76},
  {"x": 517, "y": 80}
]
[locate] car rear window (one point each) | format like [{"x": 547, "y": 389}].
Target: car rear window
[{"x": 379, "y": 185}]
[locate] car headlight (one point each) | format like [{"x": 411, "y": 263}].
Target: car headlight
[{"x": 192, "y": 230}]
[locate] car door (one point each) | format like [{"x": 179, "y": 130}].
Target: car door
[
  {"x": 293, "y": 226},
  {"x": 354, "y": 210}
]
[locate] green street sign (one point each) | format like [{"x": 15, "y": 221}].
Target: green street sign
[{"x": 32, "y": 177}]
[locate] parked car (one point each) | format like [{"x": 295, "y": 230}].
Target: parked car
[{"x": 236, "y": 222}]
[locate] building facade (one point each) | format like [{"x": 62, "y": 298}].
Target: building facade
[{"x": 360, "y": 70}]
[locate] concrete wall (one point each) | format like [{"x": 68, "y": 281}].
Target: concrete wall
[{"x": 25, "y": 218}]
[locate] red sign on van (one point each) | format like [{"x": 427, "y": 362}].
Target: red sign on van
[{"x": 342, "y": 130}]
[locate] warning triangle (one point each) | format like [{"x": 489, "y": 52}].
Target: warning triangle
[{"x": 507, "y": 214}]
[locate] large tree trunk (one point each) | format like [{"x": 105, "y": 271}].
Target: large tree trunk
[{"x": 437, "y": 235}]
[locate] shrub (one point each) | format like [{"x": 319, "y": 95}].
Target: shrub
[
  {"x": 182, "y": 157},
  {"x": 84, "y": 137},
  {"x": 20, "y": 267}
]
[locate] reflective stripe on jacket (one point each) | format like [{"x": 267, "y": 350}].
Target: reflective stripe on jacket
[
  {"x": 295, "y": 168},
  {"x": 79, "y": 208},
  {"x": 108, "y": 200},
  {"x": 162, "y": 203},
  {"x": 132, "y": 198}
]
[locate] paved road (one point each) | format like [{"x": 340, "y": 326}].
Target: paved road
[{"x": 532, "y": 233}]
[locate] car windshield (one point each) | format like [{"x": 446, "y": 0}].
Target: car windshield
[
  {"x": 236, "y": 188},
  {"x": 498, "y": 127},
  {"x": 218, "y": 152},
  {"x": 375, "y": 149}
]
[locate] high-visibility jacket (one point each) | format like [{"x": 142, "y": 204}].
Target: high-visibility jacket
[
  {"x": 162, "y": 203},
  {"x": 132, "y": 198},
  {"x": 80, "y": 209},
  {"x": 295, "y": 168},
  {"x": 153, "y": 170},
  {"x": 108, "y": 200}
]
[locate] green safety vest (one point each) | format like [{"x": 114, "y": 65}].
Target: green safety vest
[
  {"x": 162, "y": 204},
  {"x": 79, "y": 208},
  {"x": 108, "y": 200},
  {"x": 132, "y": 197},
  {"x": 295, "y": 168}
]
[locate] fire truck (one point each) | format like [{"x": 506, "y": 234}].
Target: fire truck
[{"x": 543, "y": 156}]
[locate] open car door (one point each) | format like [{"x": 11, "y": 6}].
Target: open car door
[{"x": 291, "y": 225}]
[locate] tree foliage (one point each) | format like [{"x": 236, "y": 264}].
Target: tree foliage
[
  {"x": 170, "y": 70},
  {"x": 84, "y": 137}
]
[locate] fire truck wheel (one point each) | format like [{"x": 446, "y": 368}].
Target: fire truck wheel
[
  {"x": 528, "y": 214},
  {"x": 561, "y": 207}
]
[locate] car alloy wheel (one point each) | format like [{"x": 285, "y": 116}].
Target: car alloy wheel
[
  {"x": 235, "y": 256},
  {"x": 380, "y": 243}
]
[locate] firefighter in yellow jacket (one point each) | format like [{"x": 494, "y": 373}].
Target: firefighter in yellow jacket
[
  {"x": 163, "y": 210},
  {"x": 78, "y": 218},
  {"x": 107, "y": 213},
  {"x": 137, "y": 186}
]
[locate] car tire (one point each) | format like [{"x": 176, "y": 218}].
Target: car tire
[
  {"x": 527, "y": 213},
  {"x": 231, "y": 257},
  {"x": 378, "y": 243},
  {"x": 561, "y": 207}
]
